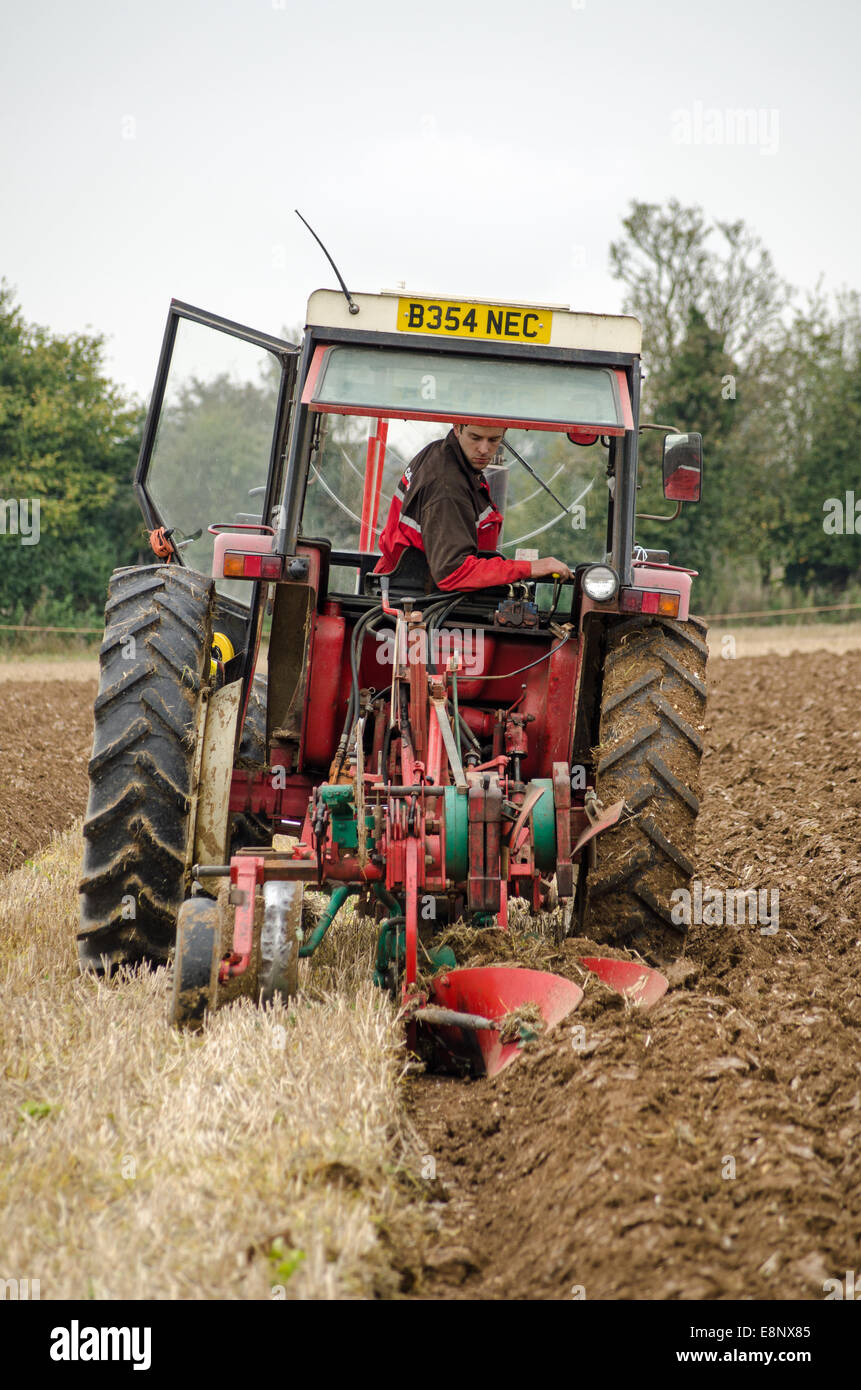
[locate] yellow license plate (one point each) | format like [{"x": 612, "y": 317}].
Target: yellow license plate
[{"x": 497, "y": 322}]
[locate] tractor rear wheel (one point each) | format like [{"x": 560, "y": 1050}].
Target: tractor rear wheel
[
  {"x": 650, "y": 747},
  {"x": 249, "y": 829},
  {"x": 154, "y": 663}
]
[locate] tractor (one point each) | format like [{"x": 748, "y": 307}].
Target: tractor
[{"x": 276, "y": 715}]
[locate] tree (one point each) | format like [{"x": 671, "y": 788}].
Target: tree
[
  {"x": 817, "y": 438},
  {"x": 714, "y": 315},
  {"x": 693, "y": 396},
  {"x": 68, "y": 444},
  {"x": 669, "y": 262}
]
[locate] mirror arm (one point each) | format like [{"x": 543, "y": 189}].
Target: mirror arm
[{"x": 647, "y": 516}]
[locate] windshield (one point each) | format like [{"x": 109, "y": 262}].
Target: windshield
[
  {"x": 211, "y": 456},
  {"x": 533, "y": 521},
  {"x": 448, "y": 386}
]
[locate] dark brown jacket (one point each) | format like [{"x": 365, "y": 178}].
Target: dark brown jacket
[{"x": 443, "y": 507}]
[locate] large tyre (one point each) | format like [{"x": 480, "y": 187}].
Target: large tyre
[
  {"x": 251, "y": 752},
  {"x": 247, "y": 829},
  {"x": 154, "y": 667},
  {"x": 652, "y": 705}
]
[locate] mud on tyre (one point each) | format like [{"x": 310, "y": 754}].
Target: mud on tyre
[
  {"x": 154, "y": 666},
  {"x": 650, "y": 748}
]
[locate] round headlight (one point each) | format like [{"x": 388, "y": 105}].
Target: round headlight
[{"x": 600, "y": 583}]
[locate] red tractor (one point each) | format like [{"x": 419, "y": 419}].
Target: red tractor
[{"x": 434, "y": 753}]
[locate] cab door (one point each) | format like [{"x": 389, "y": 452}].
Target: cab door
[{"x": 215, "y": 435}]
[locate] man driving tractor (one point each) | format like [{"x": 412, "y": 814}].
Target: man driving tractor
[{"x": 442, "y": 506}]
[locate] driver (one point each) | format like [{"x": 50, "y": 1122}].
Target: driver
[{"x": 442, "y": 506}]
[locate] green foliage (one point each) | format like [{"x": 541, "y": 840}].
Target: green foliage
[
  {"x": 672, "y": 260},
  {"x": 693, "y": 394},
  {"x": 285, "y": 1260},
  {"x": 213, "y": 448},
  {"x": 821, "y": 415},
  {"x": 774, "y": 389},
  {"x": 69, "y": 440},
  {"x": 35, "y": 1109}
]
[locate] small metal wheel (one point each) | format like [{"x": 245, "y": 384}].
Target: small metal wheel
[
  {"x": 565, "y": 921},
  {"x": 550, "y": 895},
  {"x": 280, "y": 939},
  {"x": 196, "y": 960}
]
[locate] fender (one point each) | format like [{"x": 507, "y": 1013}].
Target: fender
[{"x": 216, "y": 743}]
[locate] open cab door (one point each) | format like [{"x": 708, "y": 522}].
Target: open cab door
[{"x": 215, "y": 435}]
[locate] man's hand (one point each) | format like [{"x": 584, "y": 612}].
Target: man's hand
[{"x": 549, "y": 568}]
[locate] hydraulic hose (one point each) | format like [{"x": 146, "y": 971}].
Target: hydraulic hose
[
  {"x": 356, "y": 638},
  {"x": 436, "y": 617},
  {"x": 336, "y": 902}
]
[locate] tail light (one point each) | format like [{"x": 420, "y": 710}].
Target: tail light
[
  {"x": 239, "y": 566},
  {"x": 661, "y": 601}
]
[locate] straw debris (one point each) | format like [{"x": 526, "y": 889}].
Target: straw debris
[{"x": 526, "y": 1015}]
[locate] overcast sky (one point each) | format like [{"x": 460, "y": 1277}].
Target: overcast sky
[{"x": 486, "y": 147}]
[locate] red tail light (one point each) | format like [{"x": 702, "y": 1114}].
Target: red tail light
[
  {"x": 661, "y": 601},
  {"x": 239, "y": 566}
]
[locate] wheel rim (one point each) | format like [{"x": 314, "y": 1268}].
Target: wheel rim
[{"x": 280, "y": 937}]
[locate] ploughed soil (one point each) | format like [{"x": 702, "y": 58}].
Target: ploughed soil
[
  {"x": 709, "y": 1147},
  {"x": 46, "y": 736}
]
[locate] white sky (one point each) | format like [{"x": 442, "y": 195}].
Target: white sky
[{"x": 486, "y": 147}]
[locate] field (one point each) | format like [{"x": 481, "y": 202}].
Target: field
[{"x": 710, "y": 1148}]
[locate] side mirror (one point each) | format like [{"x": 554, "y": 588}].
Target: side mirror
[{"x": 682, "y": 466}]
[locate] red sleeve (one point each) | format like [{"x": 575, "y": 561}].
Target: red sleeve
[{"x": 476, "y": 573}]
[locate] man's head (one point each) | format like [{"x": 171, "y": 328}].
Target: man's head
[{"x": 479, "y": 443}]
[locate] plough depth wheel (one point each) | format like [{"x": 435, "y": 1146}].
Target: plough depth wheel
[
  {"x": 280, "y": 939},
  {"x": 196, "y": 960}
]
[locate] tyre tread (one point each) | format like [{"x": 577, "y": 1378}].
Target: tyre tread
[
  {"x": 649, "y": 754},
  {"x": 146, "y": 717}
]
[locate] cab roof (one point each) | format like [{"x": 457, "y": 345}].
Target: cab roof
[{"x": 479, "y": 320}]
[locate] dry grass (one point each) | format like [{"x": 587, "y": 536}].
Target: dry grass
[
  {"x": 525, "y": 1017},
  {"x": 138, "y": 1162},
  {"x": 530, "y": 941},
  {"x": 344, "y": 960}
]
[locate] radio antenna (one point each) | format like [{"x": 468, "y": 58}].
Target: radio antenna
[{"x": 354, "y": 308}]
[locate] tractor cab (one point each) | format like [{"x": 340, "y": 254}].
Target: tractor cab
[
  {"x": 381, "y": 384},
  {"x": 256, "y": 450}
]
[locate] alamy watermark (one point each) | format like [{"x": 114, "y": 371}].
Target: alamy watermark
[
  {"x": 464, "y": 646},
  {"x": 757, "y": 127},
  {"x": 718, "y": 907},
  {"x": 77, "y": 1343},
  {"x": 842, "y": 515},
  {"x": 21, "y": 1290},
  {"x": 21, "y": 517},
  {"x": 837, "y": 1289}
]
